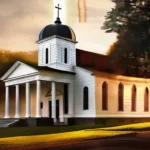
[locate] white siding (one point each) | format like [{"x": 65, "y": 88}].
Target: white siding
[
  {"x": 113, "y": 96},
  {"x": 56, "y": 48},
  {"x": 84, "y": 78},
  {"x": 40, "y": 61}
]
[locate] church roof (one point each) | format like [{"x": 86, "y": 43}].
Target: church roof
[
  {"x": 91, "y": 61},
  {"x": 59, "y": 30},
  {"x": 34, "y": 67},
  {"x": 88, "y": 60},
  {"x": 44, "y": 68}
]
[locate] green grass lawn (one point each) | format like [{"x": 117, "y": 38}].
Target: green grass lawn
[
  {"x": 27, "y": 131},
  {"x": 42, "y": 137},
  {"x": 130, "y": 127}
]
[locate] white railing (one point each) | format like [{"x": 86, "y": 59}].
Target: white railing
[{"x": 7, "y": 125}]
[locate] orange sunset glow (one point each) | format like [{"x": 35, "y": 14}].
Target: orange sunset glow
[{"x": 22, "y": 21}]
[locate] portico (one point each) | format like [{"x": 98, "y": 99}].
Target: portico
[{"x": 33, "y": 76}]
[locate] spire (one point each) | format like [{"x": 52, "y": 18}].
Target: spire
[{"x": 58, "y": 19}]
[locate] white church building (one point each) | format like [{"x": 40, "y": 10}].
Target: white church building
[{"x": 58, "y": 90}]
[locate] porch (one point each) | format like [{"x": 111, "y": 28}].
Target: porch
[{"x": 38, "y": 94}]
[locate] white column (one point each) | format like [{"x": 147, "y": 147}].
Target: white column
[
  {"x": 70, "y": 99},
  {"x": 17, "y": 102},
  {"x": 38, "y": 98},
  {"x": 7, "y": 102},
  {"x": 61, "y": 110},
  {"x": 54, "y": 101},
  {"x": 28, "y": 103}
]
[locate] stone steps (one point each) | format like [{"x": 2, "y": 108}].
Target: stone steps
[
  {"x": 22, "y": 122},
  {"x": 59, "y": 123},
  {"x": 6, "y": 122}
]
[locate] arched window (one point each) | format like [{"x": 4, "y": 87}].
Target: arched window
[
  {"x": 146, "y": 99},
  {"x": 104, "y": 96},
  {"x": 46, "y": 56},
  {"x": 120, "y": 97},
  {"x": 85, "y": 98},
  {"x": 65, "y": 56},
  {"x": 133, "y": 100}
]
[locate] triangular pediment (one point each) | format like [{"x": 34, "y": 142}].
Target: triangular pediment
[{"x": 19, "y": 69}]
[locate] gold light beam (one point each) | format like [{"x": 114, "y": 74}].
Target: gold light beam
[
  {"x": 62, "y": 4},
  {"x": 82, "y": 10}
]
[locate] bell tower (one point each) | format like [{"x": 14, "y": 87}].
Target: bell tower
[{"x": 56, "y": 46}]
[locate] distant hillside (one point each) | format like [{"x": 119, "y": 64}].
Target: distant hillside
[{"x": 8, "y": 58}]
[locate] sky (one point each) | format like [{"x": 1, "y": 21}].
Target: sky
[{"x": 22, "y": 20}]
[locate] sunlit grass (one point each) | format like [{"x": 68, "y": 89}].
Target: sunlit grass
[
  {"x": 130, "y": 127},
  {"x": 53, "y": 137},
  {"x": 47, "y": 140}
]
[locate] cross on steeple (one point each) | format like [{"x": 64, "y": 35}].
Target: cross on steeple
[
  {"x": 58, "y": 19},
  {"x": 57, "y": 7}
]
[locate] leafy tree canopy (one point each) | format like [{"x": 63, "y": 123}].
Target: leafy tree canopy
[{"x": 130, "y": 19}]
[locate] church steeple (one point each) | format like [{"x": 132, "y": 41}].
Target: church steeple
[
  {"x": 58, "y": 19},
  {"x": 57, "y": 46}
]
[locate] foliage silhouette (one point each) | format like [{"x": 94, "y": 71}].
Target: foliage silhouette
[{"x": 8, "y": 58}]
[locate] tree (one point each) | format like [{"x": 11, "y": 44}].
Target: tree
[{"x": 130, "y": 19}]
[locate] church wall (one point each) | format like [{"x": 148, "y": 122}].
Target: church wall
[
  {"x": 42, "y": 52},
  {"x": 40, "y": 55},
  {"x": 45, "y": 87},
  {"x": 113, "y": 82},
  {"x": 71, "y": 55},
  {"x": 11, "y": 102},
  {"x": 22, "y": 100},
  {"x": 33, "y": 98},
  {"x": 71, "y": 51},
  {"x": 83, "y": 78}
]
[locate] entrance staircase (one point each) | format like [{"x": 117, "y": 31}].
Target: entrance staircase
[
  {"x": 7, "y": 122},
  {"x": 59, "y": 123},
  {"x": 31, "y": 122}
]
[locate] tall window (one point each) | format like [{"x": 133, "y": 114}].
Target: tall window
[
  {"x": 104, "y": 96},
  {"x": 133, "y": 100},
  {"x": 66, "y": 98},
  {"x": 46, "y": 55},
  {"x": 85, "y": 98},
  {"x": 65, "y": 56},
  {"x": 120, "y": 97},
  {"x": 146, "y": 99}
]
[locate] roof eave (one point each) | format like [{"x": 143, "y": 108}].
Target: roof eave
[
  {"x": 10, "y": 70},
  {"x": 55, "y": 36}
]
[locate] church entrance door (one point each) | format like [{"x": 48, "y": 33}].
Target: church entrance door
[{"x": 57, "y": 109}]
